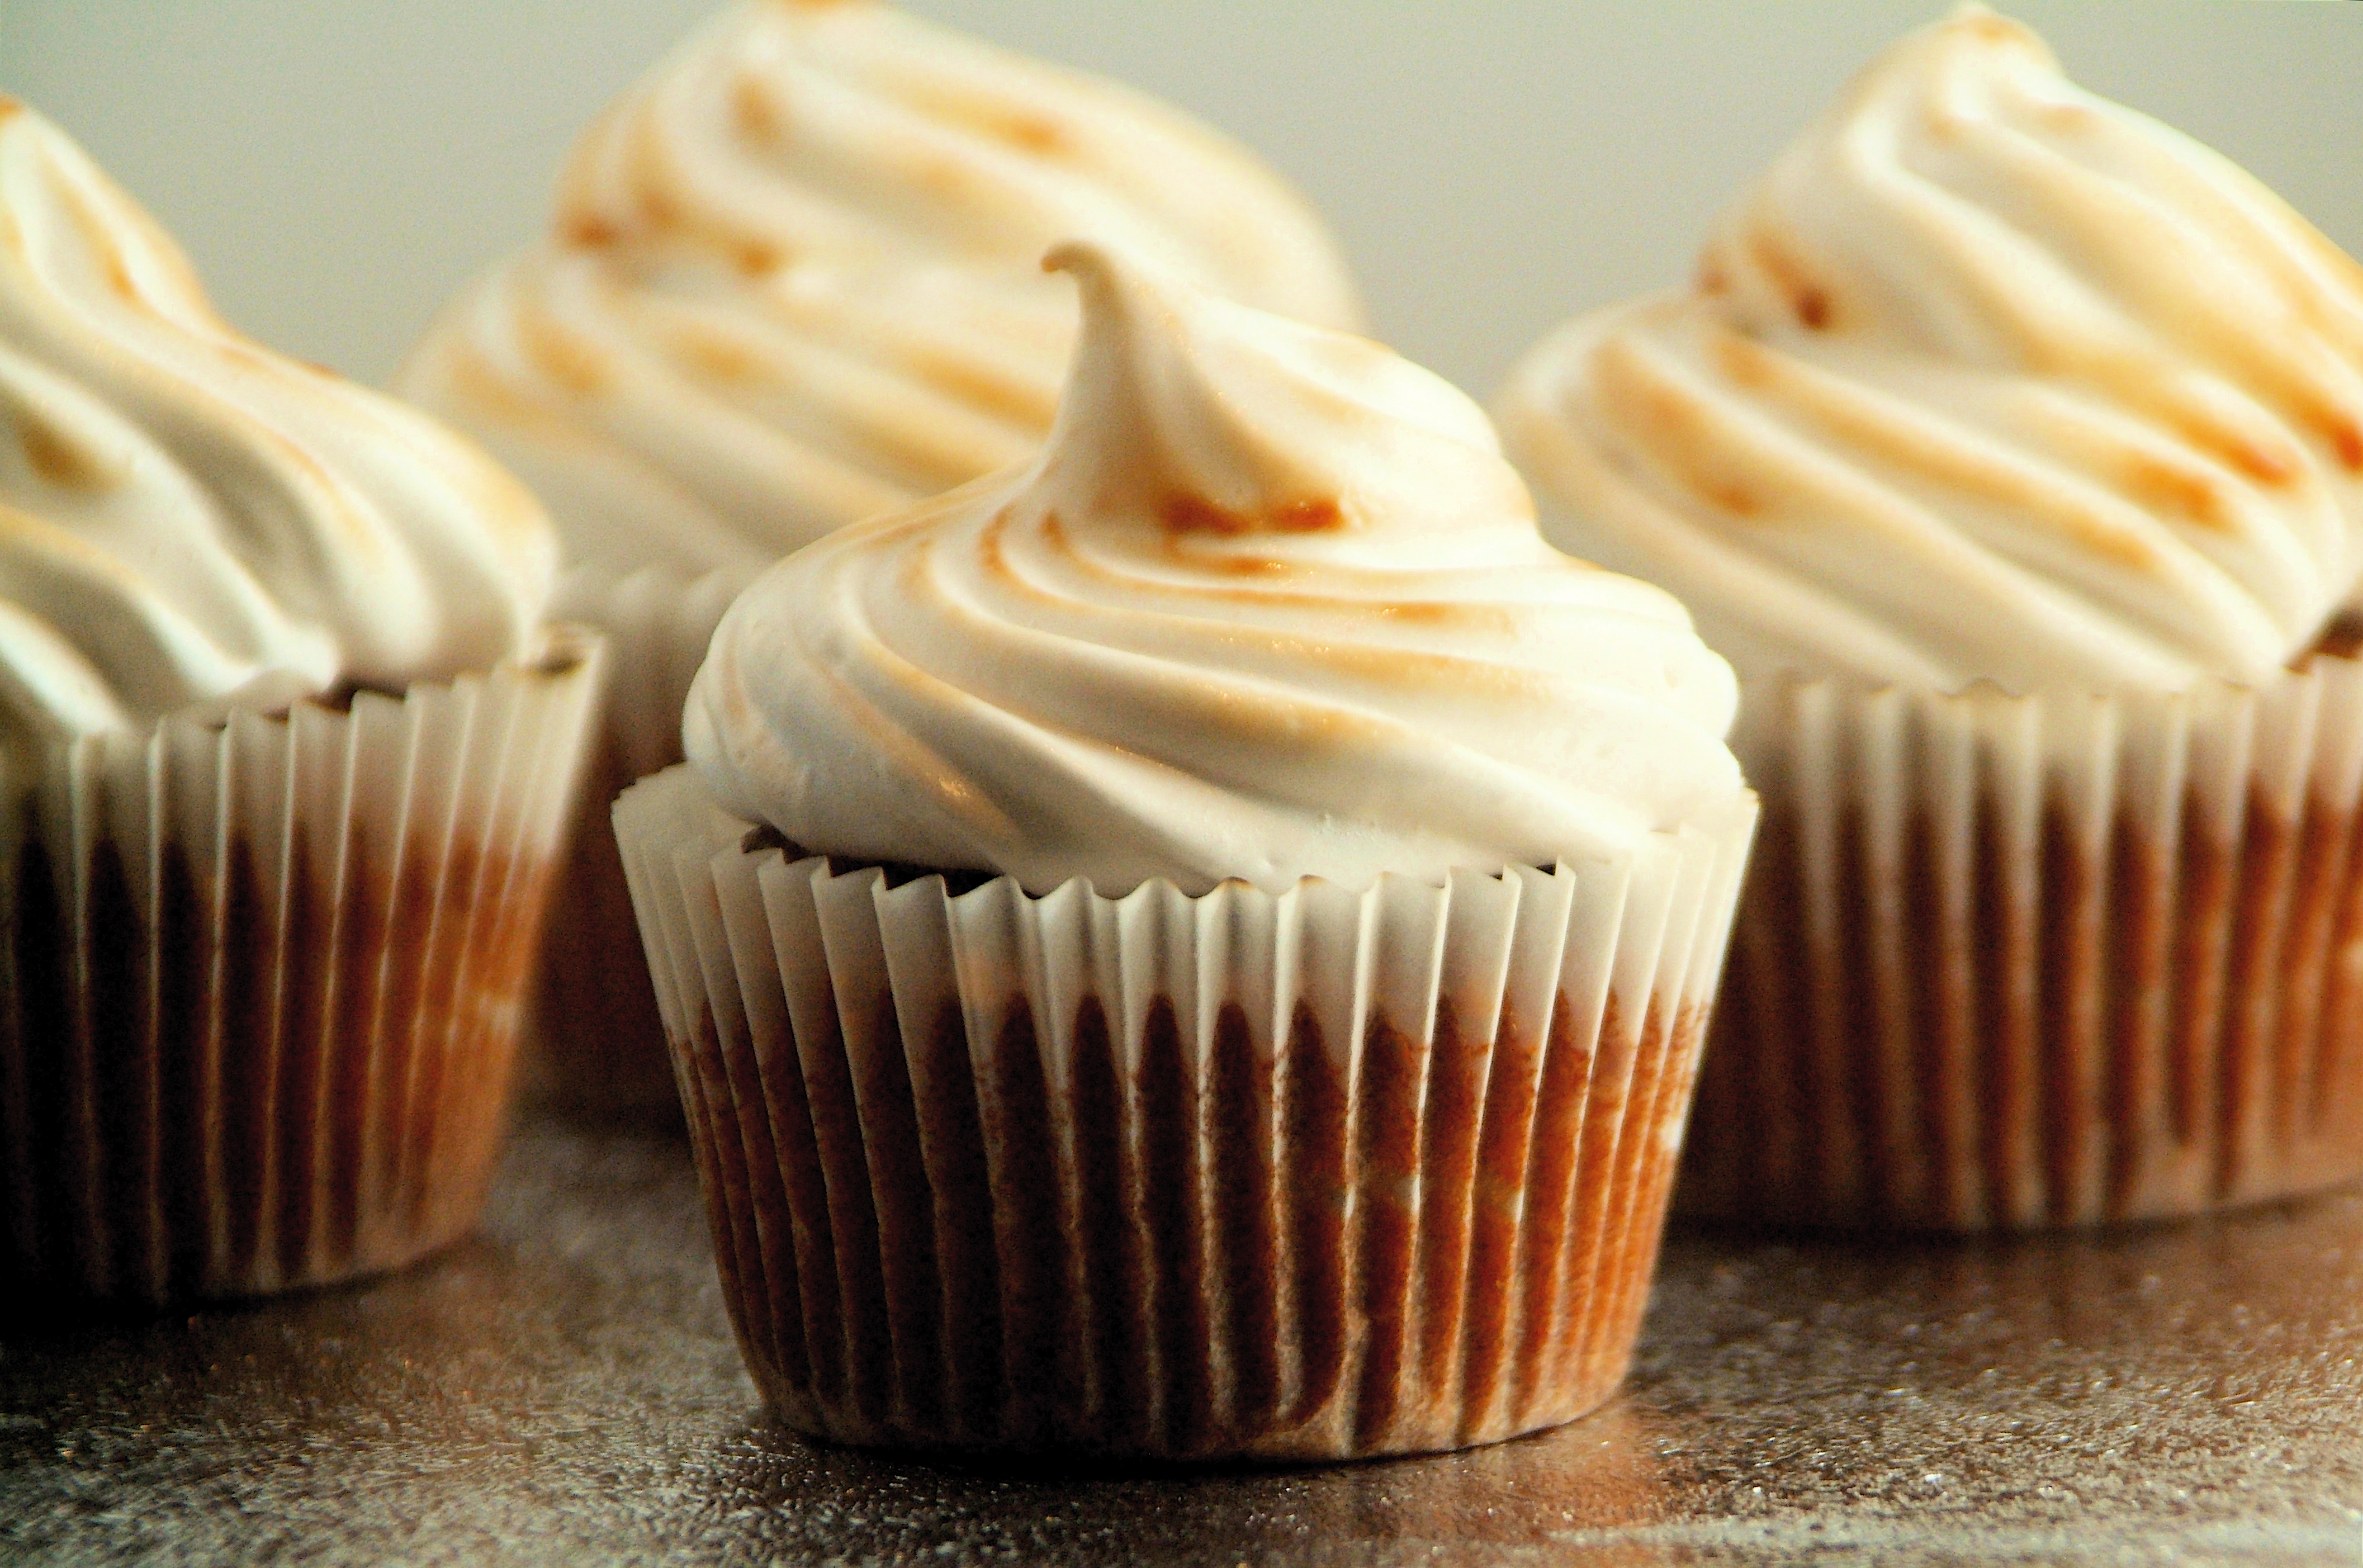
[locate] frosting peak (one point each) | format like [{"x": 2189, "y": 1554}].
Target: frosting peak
[
  {"x": 1278, "y": 429},
  {"x": 185, "y": 515},
  {"x": 1269, "y": 604},
  {"x": 793, "y": 282},
  {"x": 1987, "y": 377}
]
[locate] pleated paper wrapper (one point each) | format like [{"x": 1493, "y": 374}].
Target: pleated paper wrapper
[
  {"x": 2009, "y": 964},
  {"x": 261, "y": 982},
  {"x": 596, "y": 1045},
  {"x": 1300, "y": 1176}
]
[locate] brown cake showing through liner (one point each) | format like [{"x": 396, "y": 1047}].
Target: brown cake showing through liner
[
  {"x": 247, "y": 1078},
  {"x": 2168, "y": 1027},
  {"x": 1251, "y": 1258},
  {"x": 598, "y": 1048},
  {"x": 595, "y": 1042}
]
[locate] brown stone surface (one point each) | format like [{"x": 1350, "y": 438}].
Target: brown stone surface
[{"x": 2174, "y": 1027}]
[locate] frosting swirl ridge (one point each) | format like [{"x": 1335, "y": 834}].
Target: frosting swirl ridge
[
  {"x": 185, "y": 515},
  {"x": 791, "y": 279},
  {"x": 1269, "y": 604},
  {"x": 1987, "y": 378}
]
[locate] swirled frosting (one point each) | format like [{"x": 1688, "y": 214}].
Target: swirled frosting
[
  {"x": 184, "y": 516},
  {"x": 793, "y": 280},
  {"x": 1269, "y": 603},
  {"x": 1987, "y": 378}
]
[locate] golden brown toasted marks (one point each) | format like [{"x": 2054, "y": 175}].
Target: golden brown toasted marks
[
  {"x": 2345, "y": 440},
  {"x": 97, "y": 235},
  {"x": 1024, "y": 127},
  {"x": 1744, "y": 360},
  {"x": 2067, "y": 119},
  {"x": 59, "y": 459},
  {"x": 991, "y": 549},
  {"x": 1940, "y": 122},
  {"x": 2175, "y": 489},
  {"x": 1037, "y": 133},
  {"x": 982, "y": 388},
  {"x": 1991, "y": 27},
  {"x": 757, "y": 112},
  {"x": 566, "y": 359},
  {"x": 1809, "y": 299},
  {"x": 716, "y": 356},
  {"x": 475, "y": 380},
  {"x": 1672, "y": 426},
  {"x": 2198, "y": 426},
  {"x": 589, "y": 231},
  {"x": 657, "y": 206},
  {"x": 1184, "y": 513},
  {"x": 1228, "y": 565},
  {"x": 1863, "y": 426},
  {"x": 1434, "y": 612}
]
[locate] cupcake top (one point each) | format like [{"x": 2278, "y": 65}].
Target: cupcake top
[
  {"x": 1269, "y": 605},
  {"x": 186, "y": 516},
  {"x": 791, "y": 280},
  {"x": 1987, "y": 378}
]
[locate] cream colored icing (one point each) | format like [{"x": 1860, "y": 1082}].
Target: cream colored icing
[
  {"x": 791, "y": 280},
  {"x": 1269, "y": 605},
  {"x": 186, "y": 516},
  {"x": 1988, "y": 378}
]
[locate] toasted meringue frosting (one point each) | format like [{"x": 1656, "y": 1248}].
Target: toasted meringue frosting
[
  {"x": 1987, "y": 379},
  {"x": 793, "y": 280},
  {"x": 1269, "y": 605},
  {"x": 185, "y": 515}
]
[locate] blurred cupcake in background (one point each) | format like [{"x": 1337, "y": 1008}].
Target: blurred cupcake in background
[
  {"x": 1195, "y": 945},
  {"x": 791, "y": 281},
  {"x": 2011, "y": 444},
  {"x": 286, "y": 748}
]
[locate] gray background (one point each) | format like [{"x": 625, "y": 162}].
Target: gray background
[{"x": 337, "y": 167}]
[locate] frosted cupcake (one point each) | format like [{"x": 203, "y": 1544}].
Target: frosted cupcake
[
  {"x": 2012, "y": 446},
  {"x": 284, "y": 749},
  {"x": 792, "y": 282},
  {"x": 1196, "y": 944}
]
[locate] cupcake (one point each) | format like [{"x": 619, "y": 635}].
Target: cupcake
[
  {"x": 1195, "y": 945},
  {"x": 2011, "y": 445},
  {"x": 792, "y": 282},
  {"x": 285, "y": 750}
]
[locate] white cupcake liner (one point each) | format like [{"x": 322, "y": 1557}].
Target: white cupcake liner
[
  {"x": 261, "y": 979},
  {"x": 2013, "y": 962},
  {"x": 596, "y": 1044},
  {"x": 1310, "y": 1175}
]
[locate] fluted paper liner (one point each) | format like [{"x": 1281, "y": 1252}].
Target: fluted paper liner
[
  {"x": 2012, "y": 963},
  {"x": 1309, "y": 1175},
  {"x": 597, "y": 1044},
  {"x": 262, "y": 978}
]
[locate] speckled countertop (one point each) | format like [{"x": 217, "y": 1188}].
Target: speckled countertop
[{"x": 565, "y": 1387}]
